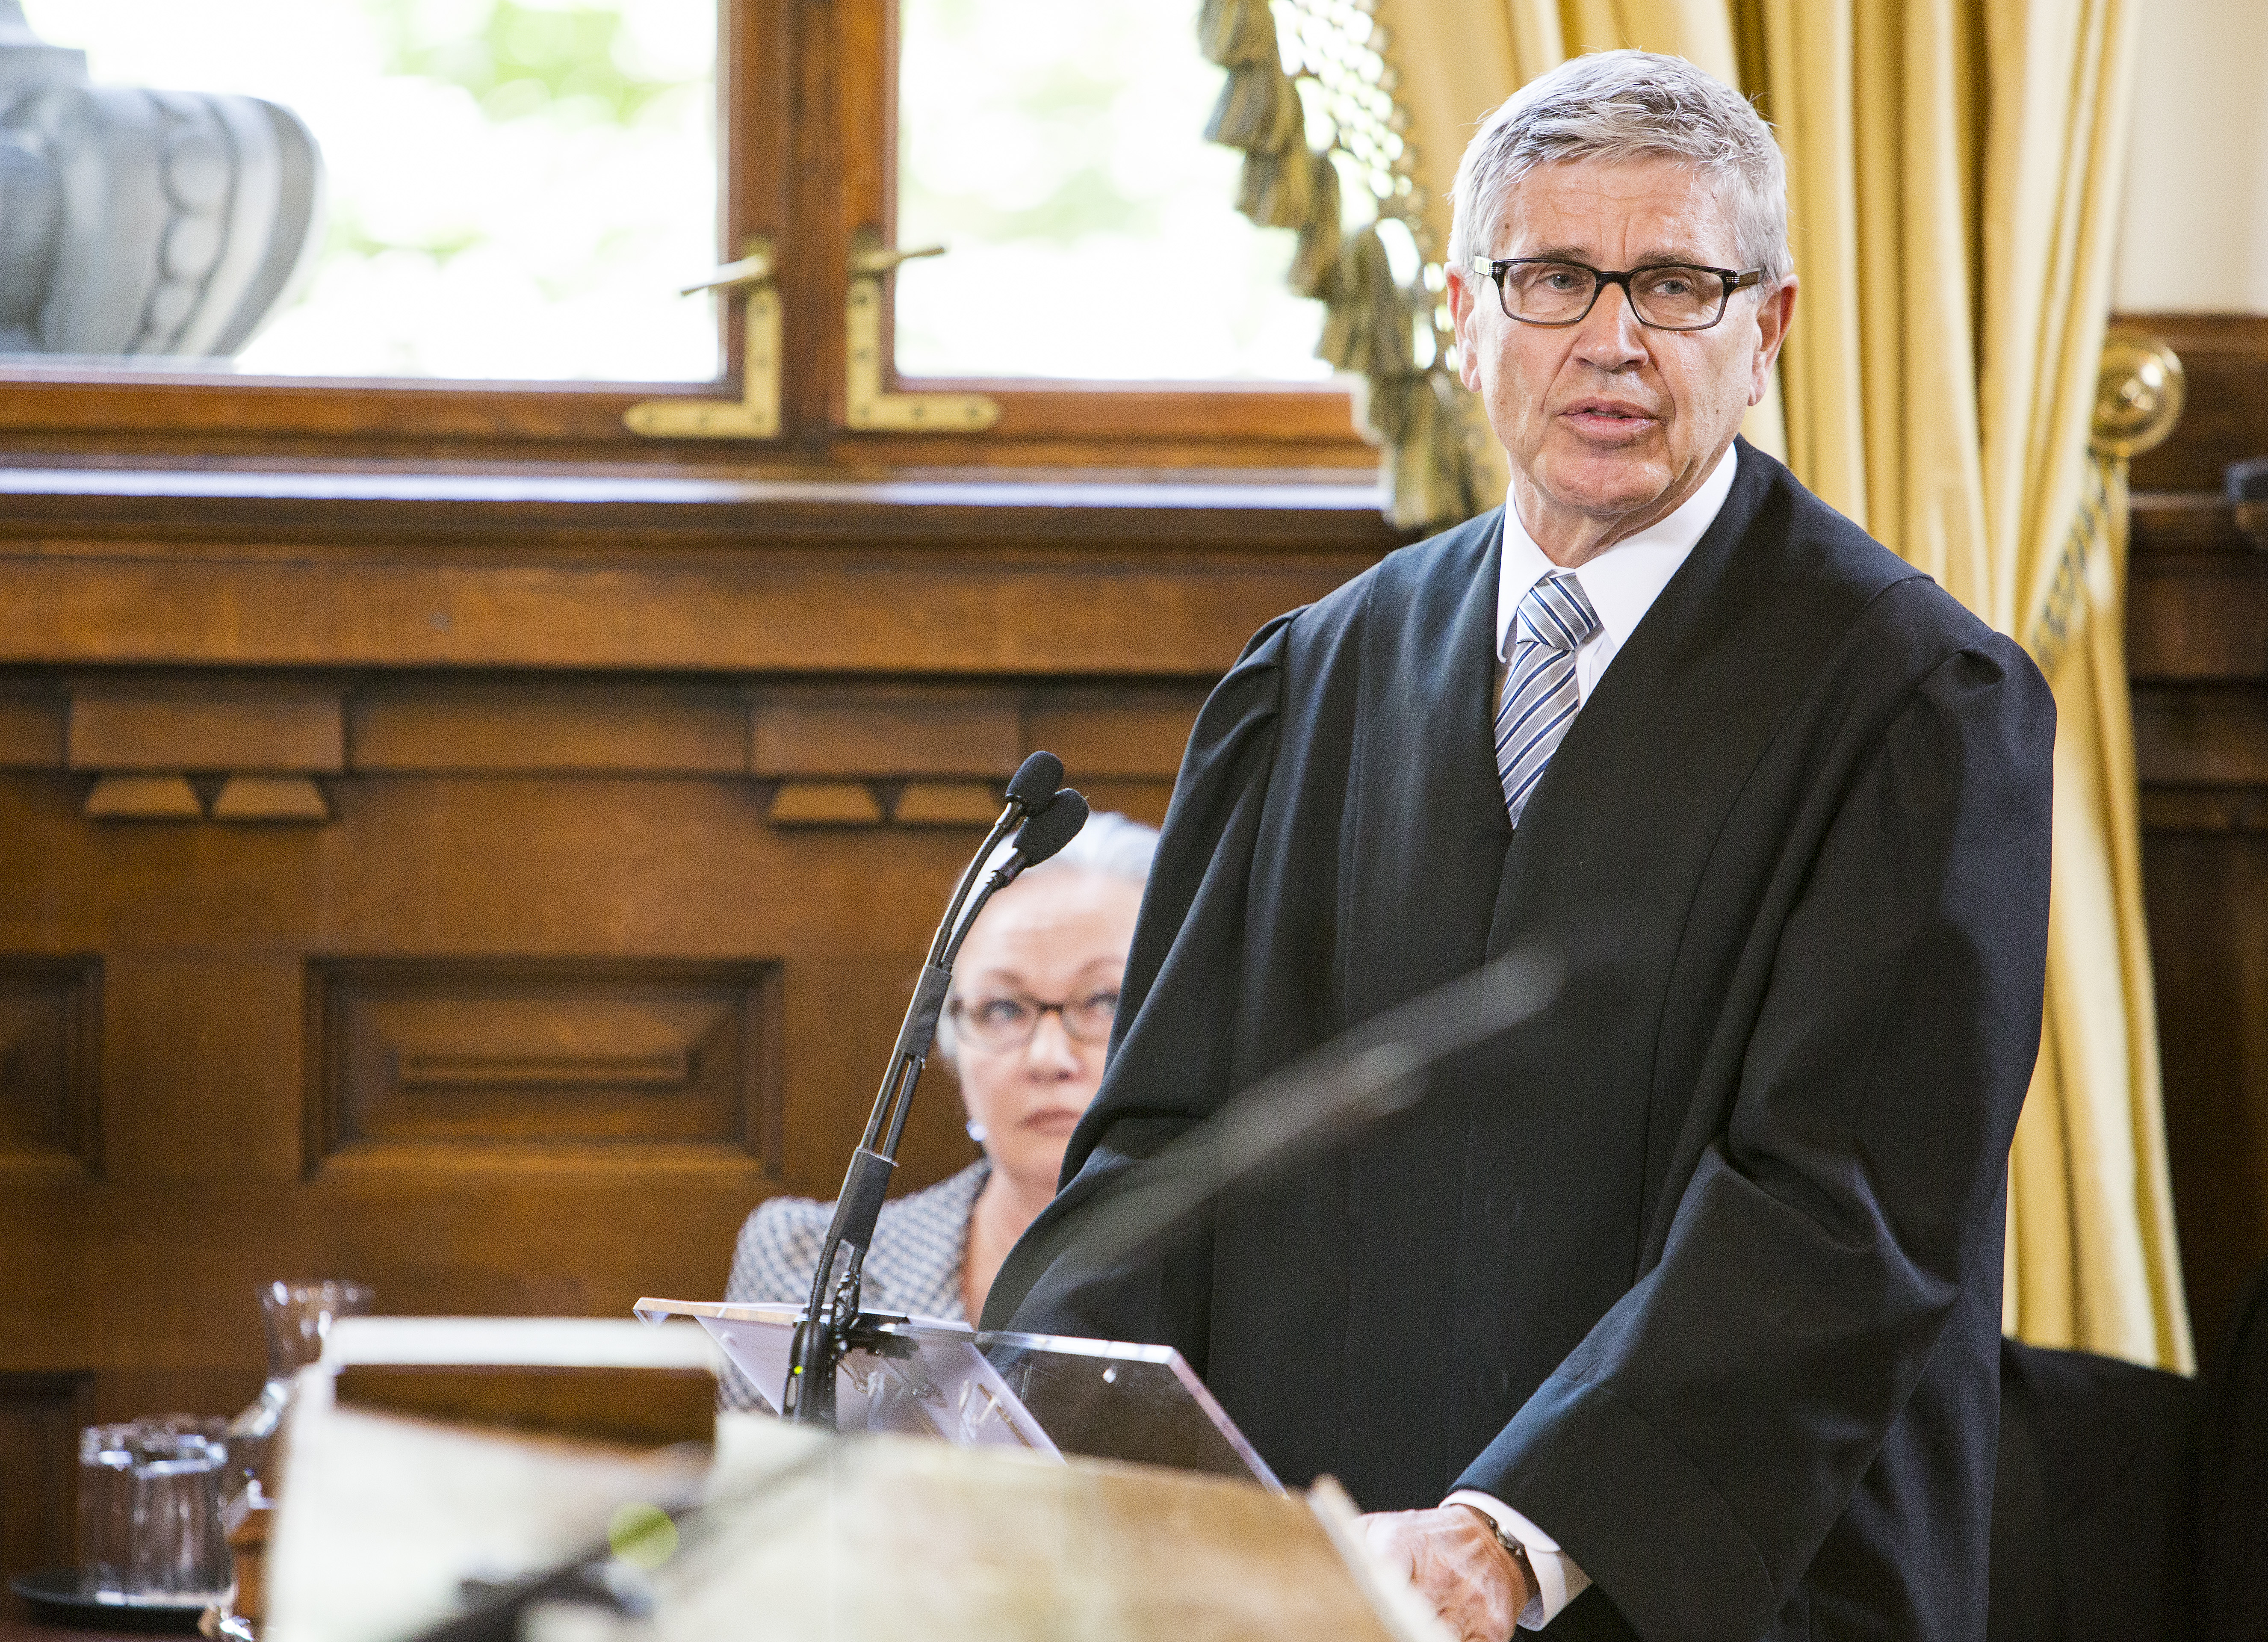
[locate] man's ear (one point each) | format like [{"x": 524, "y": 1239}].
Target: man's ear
[
  {"x": 1774, "y": 314},
  {"x": 1464, "y": 320}
]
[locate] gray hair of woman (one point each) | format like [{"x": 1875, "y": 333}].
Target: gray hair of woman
[
  {"x": 1613, "y": 105},
  {"x": 1110, "y": 844}
]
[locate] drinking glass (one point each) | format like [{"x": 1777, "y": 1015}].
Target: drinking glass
[
  {"x": 149, "y": 1510},
  {"x": 296, "y": 1317}
]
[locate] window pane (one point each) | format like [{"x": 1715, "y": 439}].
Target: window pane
[
  {"x": 515, "y": 188},
  {"x": 1058, "y": 150}
]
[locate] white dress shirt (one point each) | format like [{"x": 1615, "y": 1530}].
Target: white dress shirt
[{"x": 1623, "y": 583}]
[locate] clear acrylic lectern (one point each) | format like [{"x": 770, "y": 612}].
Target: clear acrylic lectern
[{"x": 1042, "y": 1393}]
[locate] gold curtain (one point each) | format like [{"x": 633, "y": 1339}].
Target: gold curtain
[{"x": 1954, "y": 169}]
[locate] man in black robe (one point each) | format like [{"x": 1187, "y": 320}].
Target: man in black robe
[{"x": 1676, "y": 1311}]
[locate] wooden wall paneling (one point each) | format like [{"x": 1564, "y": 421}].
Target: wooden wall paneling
[
  {"x": 147, "y": 1276},
  {"x": 203, "y": 726},
  {"x": 854, "y": 731},
  {"x": 200, "y": 1052},
  {"x": 2198, "y": 656},
  {"x": 34, "y": 719},
  {"x": 2200, "y": 609},
  {"x": 1144, "y": 801},
  {"x": 658, "y": 577},
  {"x": 824, "y": 804},
  {"x": 2225, "y": 357},
  {"x": 39, "y": 1420},
  {"x": 2201, "y": 736},
  {"x": 501, "y": 725},
  {"x": 2208, "y": 897},
  {"x": 416, "y": 1055},
  {"x": 50, "y": 1060},
  {"x": 790, "y": 616},
  {"x": 559, "y": 731},
  {"x": 1115, "y": 733},
  {"x": 946, "y": 804}
]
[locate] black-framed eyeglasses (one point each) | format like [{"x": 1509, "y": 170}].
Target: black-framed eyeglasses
[
  {"x": 1008, "y": 1022},
  {"x": 1667, "y": 296}
]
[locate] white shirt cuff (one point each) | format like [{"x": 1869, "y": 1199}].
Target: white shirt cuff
[{"x": 1559, "y": 1582}]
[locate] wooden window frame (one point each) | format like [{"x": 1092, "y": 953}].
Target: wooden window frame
[{"x": 807, "y": 147}]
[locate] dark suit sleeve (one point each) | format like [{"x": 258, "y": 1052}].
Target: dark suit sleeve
[
  {"x": 1170, "y": 1063},
  {"x": 1693, "y": 1452}
]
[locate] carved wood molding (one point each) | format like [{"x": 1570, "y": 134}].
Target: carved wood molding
[
  {"x": 410, "y": 1061},
  {"x": 522, "y": 510},
  {"x": 1038, "y": 576},
  {"x": 266, "y": 744},
  {"x": 227, "y": 747}
]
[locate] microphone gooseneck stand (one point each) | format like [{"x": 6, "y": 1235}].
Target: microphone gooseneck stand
[{"x": 1044, "y": 820}]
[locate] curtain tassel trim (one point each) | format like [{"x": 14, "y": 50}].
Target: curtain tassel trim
[{"x": 1412, "y": 409}]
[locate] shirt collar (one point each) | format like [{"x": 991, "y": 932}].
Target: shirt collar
[{"x": 1624, "y": 581}]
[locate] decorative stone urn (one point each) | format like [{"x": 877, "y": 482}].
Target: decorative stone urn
[{"x": 142, "y": 222}]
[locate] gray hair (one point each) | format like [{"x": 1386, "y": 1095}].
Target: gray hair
[
  {"x": 1110, "y": 844},
  {"x": 1613, "y": 105}
]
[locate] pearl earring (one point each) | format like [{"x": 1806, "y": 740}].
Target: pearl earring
[{"x": 977, "y": 1131}]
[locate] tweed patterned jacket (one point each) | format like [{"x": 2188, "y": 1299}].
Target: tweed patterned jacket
[{"x": 914, "y": 1267}]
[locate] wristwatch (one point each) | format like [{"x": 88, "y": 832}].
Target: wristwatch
[{"x": 1513, "y": 1548}]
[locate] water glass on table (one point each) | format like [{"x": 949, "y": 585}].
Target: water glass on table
[{"x": 151, "y": 1494}]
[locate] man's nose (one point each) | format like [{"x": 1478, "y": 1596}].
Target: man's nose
[{"x": 1610, "y": 336}]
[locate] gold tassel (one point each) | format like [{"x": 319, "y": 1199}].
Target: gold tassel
[
  {"x": 1234, "y": 32},
  {"x": 1397, "y": 408},
  {"x": 1258, "y": 110},
  {"x": 1368, "y": 329},
  {"x": 1369, "y": 322},
  {"x": 1349, "y": 308},
  {"x": 1314, "y": 264},
  {"x": 1278, "y": 190},
  {"x": 1429, "y": 470}
]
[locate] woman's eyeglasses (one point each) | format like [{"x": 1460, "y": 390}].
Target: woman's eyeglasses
[{"x": 1008, "y": 1022}]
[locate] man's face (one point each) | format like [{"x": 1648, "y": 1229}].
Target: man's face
[{"x": 1610, "y": 424}]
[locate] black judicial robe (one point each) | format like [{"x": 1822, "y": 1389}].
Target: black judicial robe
[{"x": 1702, "y": 1270}]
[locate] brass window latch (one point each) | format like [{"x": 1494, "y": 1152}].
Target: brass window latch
[
  {"x": 869, "y": 407},
  {"x": 756, "y": 414}
]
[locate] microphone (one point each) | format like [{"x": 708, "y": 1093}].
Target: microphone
[
  {"x": 1042, "y": 837},
  {"x": 1034, "y": 783},
  {"x": 1044, "y": 819}
]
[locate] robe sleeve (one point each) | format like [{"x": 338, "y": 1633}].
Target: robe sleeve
[
  {"x": 1693, "y": 1452},
  {"x": 1169, "y": 1066}
]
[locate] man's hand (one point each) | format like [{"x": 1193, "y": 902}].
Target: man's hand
[{"x": 1452, "y": 1556}]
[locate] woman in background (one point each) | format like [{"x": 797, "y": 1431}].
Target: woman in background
[{"x": 1033, "y": 993}]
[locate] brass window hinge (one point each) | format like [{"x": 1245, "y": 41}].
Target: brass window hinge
[
  {"x": 756, "y": 414},
  {"x": 868, "y": 407}
]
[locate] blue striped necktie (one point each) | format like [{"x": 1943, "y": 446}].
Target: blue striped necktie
[{"x": 1540, "y": 697}]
